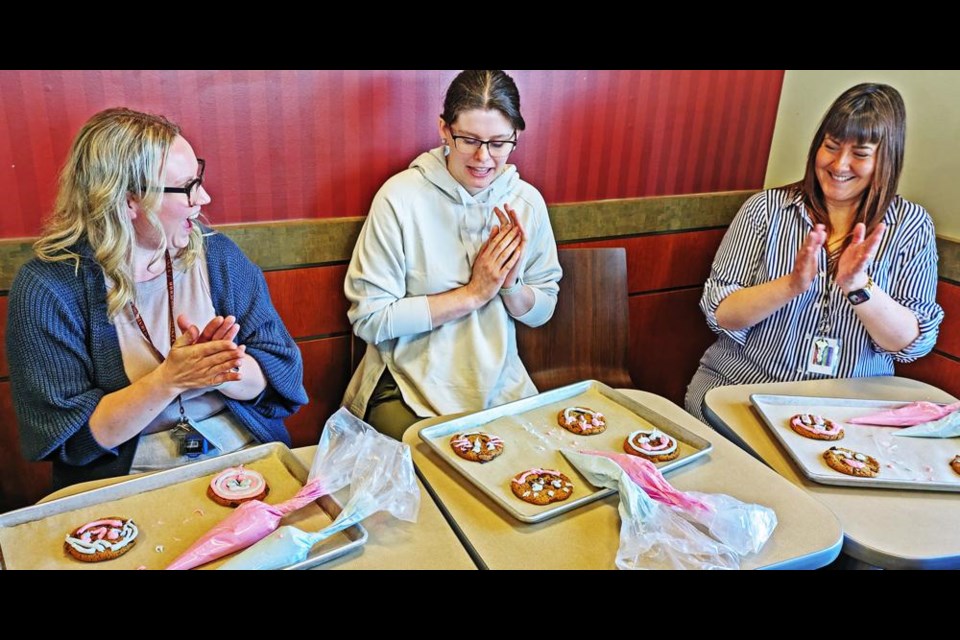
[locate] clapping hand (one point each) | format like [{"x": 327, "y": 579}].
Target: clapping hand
[
  {"x": 806, "y": 265},
  {"x": 853, "y": 263},
  {"x": 204, "y": 358},
  {"x": 219, "y": 328}
]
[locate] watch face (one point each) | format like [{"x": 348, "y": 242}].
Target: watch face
[{"x": 859, "y": 296}]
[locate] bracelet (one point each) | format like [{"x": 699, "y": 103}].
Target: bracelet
[{"x": 509, "y": 291}]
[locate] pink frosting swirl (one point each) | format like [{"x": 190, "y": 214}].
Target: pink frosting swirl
[
  {"x": 237, "y": 483},
  {"x": 815, "y": 424},
  {"x": 530, "y": 472}
]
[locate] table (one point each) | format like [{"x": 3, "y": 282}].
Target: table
[
  {"x": 808, "y": 534},
  {"x": 889, "y": 528},
  {"x": 429, "y": 543}
]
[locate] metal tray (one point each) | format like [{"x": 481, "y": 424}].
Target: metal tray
[
  {"x": 921, "y": 464},
  {"x": 353, "y": 537},
  {"x": 533, "y": 438}
]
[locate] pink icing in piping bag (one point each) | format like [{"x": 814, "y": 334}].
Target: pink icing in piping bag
[
  {"x": 907, "y": 416},
  {"x": 646, "y": 475},
  {"x": 249, "y": 523}
]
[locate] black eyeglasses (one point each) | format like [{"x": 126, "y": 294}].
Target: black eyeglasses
[
  {"x": 496, "y": 148},
  {"x": 192, "y": 188}
]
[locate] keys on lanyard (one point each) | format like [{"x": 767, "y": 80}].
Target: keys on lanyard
[{"x": 190, "y": 442}]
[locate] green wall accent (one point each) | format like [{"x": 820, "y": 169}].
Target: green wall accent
[{"x": 304, "y": 243}]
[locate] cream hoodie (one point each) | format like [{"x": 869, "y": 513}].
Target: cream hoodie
[{"x": 421, "y": 238}]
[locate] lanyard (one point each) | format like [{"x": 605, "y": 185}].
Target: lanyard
[
  {"x": 170, "y": 323},
  {"x": 825, "y": 324}
]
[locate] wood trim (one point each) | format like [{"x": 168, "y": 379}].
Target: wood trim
[
  {"x": 326, "y": 365},
  {"x": 307, "y": 243},
  {"x": 21, "y": 482},
  {"x": 656, "y": 262},
  {"x": 936, "y": 369},
  {"x": 668, "y": 336},
  {"x": 310, "y": 301}
]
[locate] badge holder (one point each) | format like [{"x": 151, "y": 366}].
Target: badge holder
[
  {"x": 824, "y": 356},
  {"x": 190, "y": 442}
]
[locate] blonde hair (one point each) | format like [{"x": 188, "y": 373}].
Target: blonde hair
[{"x": 118, "y": 154}]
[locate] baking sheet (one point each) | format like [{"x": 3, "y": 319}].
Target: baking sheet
[
  {"x": 533, "y": 438},
  {"x": 171, "y": 510},
  {"x": 905, "y": 463}
]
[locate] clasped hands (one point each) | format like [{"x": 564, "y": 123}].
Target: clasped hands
[
  {"x": 498, "y": 263},
  {"x": 204, "y": 358}
]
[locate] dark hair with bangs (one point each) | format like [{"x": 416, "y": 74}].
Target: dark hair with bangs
[
  {"x": 868, "y": 113},
  {"x": 483, "y": 89}
]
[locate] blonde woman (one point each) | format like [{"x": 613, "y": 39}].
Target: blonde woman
[{"x": 110, "y": 370}]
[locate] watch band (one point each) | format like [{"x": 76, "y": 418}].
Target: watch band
[{"x": 860, "y": 296}]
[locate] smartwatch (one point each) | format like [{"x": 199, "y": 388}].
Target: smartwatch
[{"x": 861, "y": 295}]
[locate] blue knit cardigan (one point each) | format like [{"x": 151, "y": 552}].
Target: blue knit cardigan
[{"x": 64, "y": 356}]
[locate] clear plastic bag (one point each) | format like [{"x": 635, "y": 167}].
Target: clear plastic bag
[
  {"x": 743, "y": 527},
  {"x": 652, "y": 539},
  {"x": 946, "y": 427},
  {"x": 380, "y": 473},
  {"x": 652, "y": 536},
  {"x": 337, "y": 451}
]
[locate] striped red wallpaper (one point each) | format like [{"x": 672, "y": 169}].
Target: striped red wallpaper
[{"x": 303, "y": 144}]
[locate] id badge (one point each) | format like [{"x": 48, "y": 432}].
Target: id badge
[
  {"x": 824, "y": 356},
  {"x": 190, "y": 442}
]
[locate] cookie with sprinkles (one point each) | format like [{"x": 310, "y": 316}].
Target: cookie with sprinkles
[
  {"x": 815, "y": 427},
  {"x": 477, "y": 446},
  {"x": 541, "y": 486},
  {"x": 582, "y": 421},
  {"x": 851, "y": 462},
  {"x": 653, "y": 445},
  {"x": 955, "y": 463},
  {"x": 236, "y": 485},
  {"x": 103, "y": 539}
]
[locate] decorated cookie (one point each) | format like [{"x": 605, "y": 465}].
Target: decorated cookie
[
  {"x": 654, "y": 445},
  {"x": 477, "y": 446},
  {"x": 851, "y": 462},
  {"x": 955, "y": 463},
  {"x": 236, "y": 485},
  {"x": 100, "y": 540},
  {"x": 541, "y": 486},
  {"x": 816, "y": 427},
  {"x": 582, "y": 421}
]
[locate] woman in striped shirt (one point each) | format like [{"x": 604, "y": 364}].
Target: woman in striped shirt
[{"x": 833, "y": 276}]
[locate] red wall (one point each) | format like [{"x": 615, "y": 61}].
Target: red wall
[{"x": 304, "y": 144}]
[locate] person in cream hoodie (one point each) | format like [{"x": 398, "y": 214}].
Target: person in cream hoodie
[{"x": 454, "y": 250}]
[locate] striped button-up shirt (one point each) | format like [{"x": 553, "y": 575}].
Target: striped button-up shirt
[{"x": 761, "y": 245}]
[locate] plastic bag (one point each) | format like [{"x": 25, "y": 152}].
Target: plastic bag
[
  {"x": 652, "y": 536},
  {"x": 248, "y": 523},
  {"x": 381, "y": 479},
  {"x": 347, "y": 446},
  {"x": 738, "y": 527},
  {"x": 946, "y": 427},
  {"x": 743, "y": 527},
  {"x": 337, "y": 451}
]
